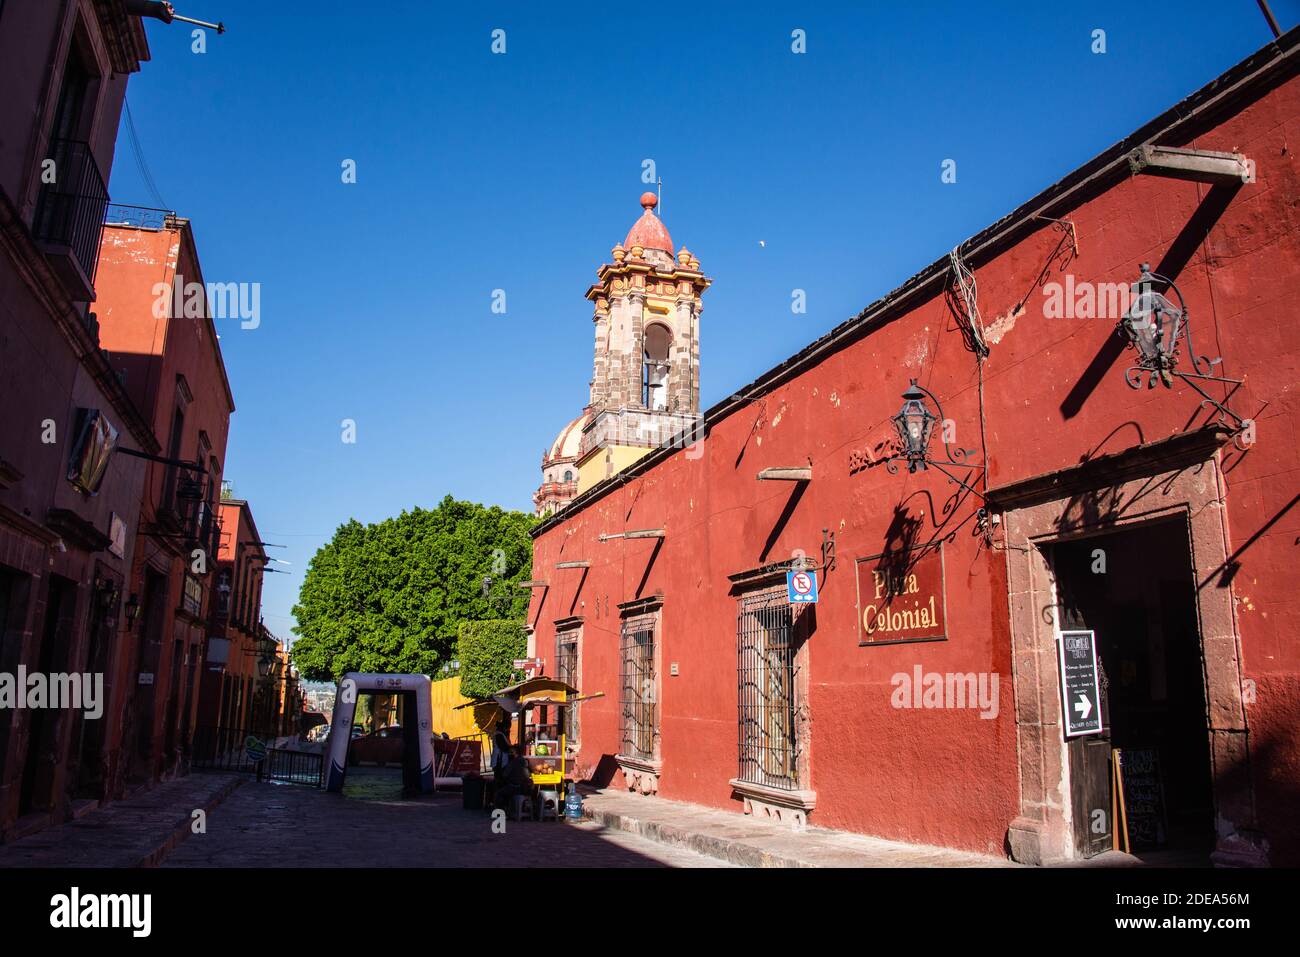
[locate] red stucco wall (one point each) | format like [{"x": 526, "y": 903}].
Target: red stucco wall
[{"x": 948, "y": 776}]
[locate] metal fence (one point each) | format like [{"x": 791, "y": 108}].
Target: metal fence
[
  {"x": 765, "y": 686},
  {"x": 222, "y": 749},
  {"x": 294, "y": 767},
  {"x": 225, "y": 749}
]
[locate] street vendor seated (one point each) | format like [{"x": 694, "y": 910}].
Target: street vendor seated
[
  {"x": 500, "y": 757},
  {"x": 515, "y": 780}
]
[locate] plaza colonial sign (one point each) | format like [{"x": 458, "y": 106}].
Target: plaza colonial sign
[{"x": 901, "y": 597}]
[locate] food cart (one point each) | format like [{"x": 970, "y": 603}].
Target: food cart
[{"x": 532, "y": 713}]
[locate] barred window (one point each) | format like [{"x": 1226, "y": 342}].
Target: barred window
[
  {"x": 638, "y": 687},
  {"x": 566, "y": 669},
  {"x": 766, "y": 690}
]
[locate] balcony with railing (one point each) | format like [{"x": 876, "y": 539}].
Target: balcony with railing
[
  {"x": 69, "y": 218},
  {"x": 139, "y": 217}
]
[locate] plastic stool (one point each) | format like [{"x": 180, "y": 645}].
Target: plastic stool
[
  {"x": 518, "y": 804},
  {"x": 548, "y": 805}
]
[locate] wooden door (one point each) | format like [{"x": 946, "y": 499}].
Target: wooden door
[{"x": 1089, "y": 755}]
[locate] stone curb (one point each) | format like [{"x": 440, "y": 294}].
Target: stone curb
[
  {"x": 726, "y": 849},
  {"x": 181, "y": 830}
]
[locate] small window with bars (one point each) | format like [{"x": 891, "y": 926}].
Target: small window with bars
[
  {"x": 566, "y": 669},
  {"x": 765, "y": 669},
  {"x": 638, "y": 687}
]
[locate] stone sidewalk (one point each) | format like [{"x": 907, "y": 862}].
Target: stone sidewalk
[
  {"x": 136, "y": 831},
  {"x": 748, "y": 842}
]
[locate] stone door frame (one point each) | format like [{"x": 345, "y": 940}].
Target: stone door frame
[{"x": 1100, "y": 497}]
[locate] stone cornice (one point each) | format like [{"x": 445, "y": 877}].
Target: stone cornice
[
  {"x": 77, "y": 530},
  {"x": 123, "y": 34},
  {"x": 26, "y": 526},
  {"x": 611, "y": 271},
  {"x": 1166, "y": 455}
]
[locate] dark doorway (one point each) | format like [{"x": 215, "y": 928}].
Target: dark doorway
[
  {"x": 88, "y": 781},
  {"x": 148, "y": 657},
  {"x": 15, "y": 589},
  {"x": 1135, "y": 590},
  {"x": 36, "y": 790}
]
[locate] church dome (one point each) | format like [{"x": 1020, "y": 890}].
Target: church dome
[
  {"x": 649, "y": 232},
  {"x": 565, "y": 446}
]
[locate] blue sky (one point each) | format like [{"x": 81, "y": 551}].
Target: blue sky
[{"x": 520, "y": 171}]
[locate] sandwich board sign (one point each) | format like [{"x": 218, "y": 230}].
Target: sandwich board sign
[{"x": 1080, "y": 687}]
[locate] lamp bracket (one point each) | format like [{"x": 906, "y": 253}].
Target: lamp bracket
[{"x": 1162, "y": 366}]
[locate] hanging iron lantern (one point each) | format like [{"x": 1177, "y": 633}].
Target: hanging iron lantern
[
  {"x": 914, "y": 423},
  {"x": 132, "y": 610},
  {"x": 1154, "y": 324}
]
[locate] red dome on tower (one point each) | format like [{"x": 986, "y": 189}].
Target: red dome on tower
[{"x": 649, "y": 232}]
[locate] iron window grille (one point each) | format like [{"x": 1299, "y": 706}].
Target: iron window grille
[
  {"x": 566, "y": 669},
  {"x": 638, "y": 693},
  {"x": 766, "y": 647}
]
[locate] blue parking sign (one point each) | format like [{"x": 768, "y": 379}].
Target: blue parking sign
[{"x": 802, "y": 586}]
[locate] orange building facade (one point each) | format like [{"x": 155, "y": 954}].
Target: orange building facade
[{"x": 114, "y": 416}]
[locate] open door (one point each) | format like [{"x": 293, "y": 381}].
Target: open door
[{"x": 1134, "y": 589}]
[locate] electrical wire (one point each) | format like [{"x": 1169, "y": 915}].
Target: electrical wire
[
  {"x": 145, "y": 176},
  {"x": 962, "y": 296},
  {"x": 963, "y": 299}
]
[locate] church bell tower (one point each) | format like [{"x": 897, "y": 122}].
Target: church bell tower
[{"x": 645, "y": 386}]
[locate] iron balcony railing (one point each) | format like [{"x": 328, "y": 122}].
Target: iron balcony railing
[
  {"x": 70, "y": 210},
  {"x": 141, "y": 217}
]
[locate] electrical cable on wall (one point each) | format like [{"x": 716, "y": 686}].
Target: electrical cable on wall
[
  {"x": 963, "y": 299},
  {"x": 962, "y": 296}
]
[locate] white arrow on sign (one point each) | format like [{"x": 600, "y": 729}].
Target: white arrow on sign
[{"x": 1083, "y": 706}]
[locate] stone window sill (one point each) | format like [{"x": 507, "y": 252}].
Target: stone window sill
[
  {"x": 776, "y": 804},
  {"x": 641, "y": 774}
]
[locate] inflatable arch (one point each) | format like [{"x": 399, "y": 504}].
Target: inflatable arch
[{"x": 417, "y": 721}]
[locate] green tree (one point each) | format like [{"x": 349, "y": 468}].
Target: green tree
[
  {"x": 486, "y": 649},
  {"x": 390, "y": 597}
]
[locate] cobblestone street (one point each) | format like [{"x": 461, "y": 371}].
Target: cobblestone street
[{"x": 266, "y": 825}]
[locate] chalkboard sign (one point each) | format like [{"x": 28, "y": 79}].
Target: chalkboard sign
[
  {"x": 1140, "y": 784},
  {"x": 1080, "y": 688}
]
